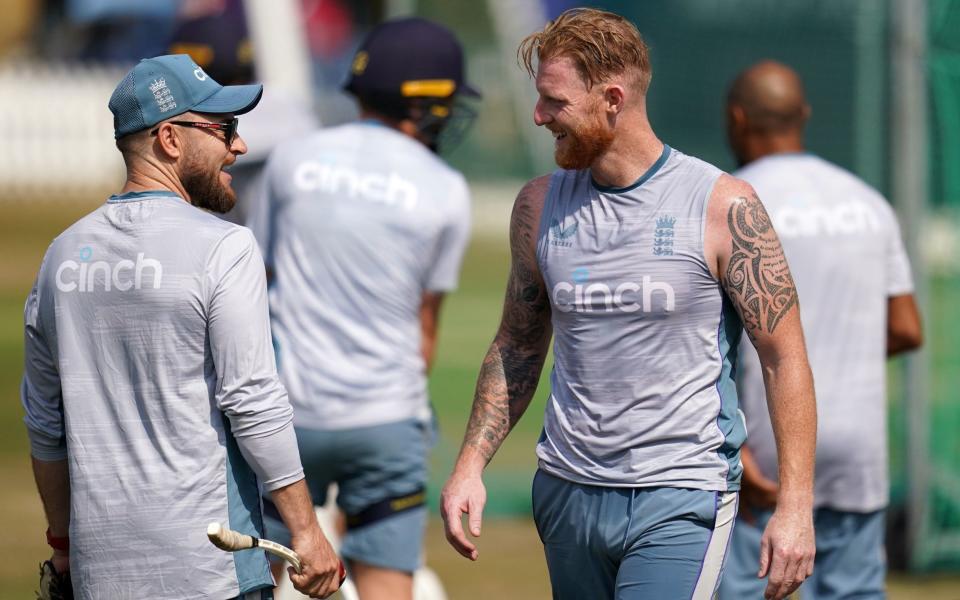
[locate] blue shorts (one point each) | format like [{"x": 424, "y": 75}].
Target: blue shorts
[
  {"x": 381, "y": 475},
  {"x": 850, "y": 560},
  {"x": 632, "y": 543}
]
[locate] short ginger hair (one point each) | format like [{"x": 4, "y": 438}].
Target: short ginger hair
[{"x": 601, "y": 44}]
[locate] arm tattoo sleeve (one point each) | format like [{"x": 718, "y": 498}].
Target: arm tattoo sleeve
[
  {"x": 512, "y": 366},
  {"x": 757, "y": 278}
]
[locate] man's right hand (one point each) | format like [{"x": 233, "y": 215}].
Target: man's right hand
[
  {"x": 320, "y": 573},
  {"x": 463, "y": 494}
]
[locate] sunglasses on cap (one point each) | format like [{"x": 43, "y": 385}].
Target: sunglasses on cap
[{"x": 229, "y": 128}]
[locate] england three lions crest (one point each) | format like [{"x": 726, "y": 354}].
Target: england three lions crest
[{"x": 663, "y": 235}]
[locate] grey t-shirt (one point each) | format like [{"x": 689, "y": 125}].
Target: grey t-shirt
[
  {"x": 149, "y": 368},
  {"x": 357, "y": 222},
  {"x": 843, "y": 244},
  {"x": 642, "y": 391}
]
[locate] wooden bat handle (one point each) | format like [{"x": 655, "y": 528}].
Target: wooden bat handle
[
  {"x": 231, "y": 541},
  {"x": 228, "y": 539}
]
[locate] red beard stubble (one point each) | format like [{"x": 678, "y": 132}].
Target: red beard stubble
[{"x": 584, "y": 144}]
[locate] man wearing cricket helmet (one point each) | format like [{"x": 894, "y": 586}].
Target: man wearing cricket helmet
[{"x": 364, "y": 228}]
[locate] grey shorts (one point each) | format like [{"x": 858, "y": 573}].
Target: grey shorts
[
  {"x": 381, "y": 475},
  {"x": 631, "y": 543}
]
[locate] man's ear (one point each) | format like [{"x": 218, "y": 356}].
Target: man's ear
[
  {"x": 614, "y": 97},
  {"x": 408, "y": 127},
  {"x": 736, "y": 117},
  {"x": 169, "y": 143}
]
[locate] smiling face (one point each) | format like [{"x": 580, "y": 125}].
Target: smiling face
[
  {"x": 203, "y": 174},
  {"x": 573, "y": 112}
]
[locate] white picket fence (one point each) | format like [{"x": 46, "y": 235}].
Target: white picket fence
[{"x": 56, "y": 132}]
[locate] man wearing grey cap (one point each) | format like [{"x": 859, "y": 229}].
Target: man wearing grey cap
[
  {"x": 364, "y": 227},
  {"x": 152, "y": 401}
]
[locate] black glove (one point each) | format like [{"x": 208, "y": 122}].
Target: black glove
[{"x": 54, "y": 585}]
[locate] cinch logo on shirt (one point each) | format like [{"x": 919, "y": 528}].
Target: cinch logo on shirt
[
  {"x": 846, "y": 218},
  {"x": 392, "y": 190},
  {"x": 627, "y": 297},
  {"x": 121, "y": 276}
]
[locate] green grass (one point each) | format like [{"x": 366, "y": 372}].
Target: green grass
[{"x": 511, "y": 563}]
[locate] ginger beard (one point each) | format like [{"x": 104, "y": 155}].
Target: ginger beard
[
  {"x": 583, "y": 143},
  {"x": 205, "y": 188}
]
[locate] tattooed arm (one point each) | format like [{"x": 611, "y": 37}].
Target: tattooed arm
[
  {"x": 743, "y": 248},
  {"x": 509, "y": 374}
]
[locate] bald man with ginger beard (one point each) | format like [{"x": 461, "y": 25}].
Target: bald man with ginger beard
[{"x": 852, "y": 275}]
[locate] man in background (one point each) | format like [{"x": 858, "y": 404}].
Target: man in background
[
  {"x": 220, "y": 44},
  {"x": 853, "y": 278},
  {"x": 364, "y": 227},
  {"x": 152, "y": 400}
]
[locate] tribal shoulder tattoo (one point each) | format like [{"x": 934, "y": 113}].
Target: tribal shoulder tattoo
[
  {"x": 757, "y": 279},
  {"x": 511, "y": 369}
]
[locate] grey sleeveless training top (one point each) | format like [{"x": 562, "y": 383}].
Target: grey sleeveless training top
[{"x": 642, "y": 389}]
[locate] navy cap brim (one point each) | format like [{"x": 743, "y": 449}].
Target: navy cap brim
[{"x": 236, "y": 99}]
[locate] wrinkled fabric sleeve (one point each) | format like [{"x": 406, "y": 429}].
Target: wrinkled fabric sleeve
[
  {"x": 40, "y": 392},
  {"x": 444, "y": 273},
  {"x": 899, "y": 276},
  {"x": 248, "y": 389}
]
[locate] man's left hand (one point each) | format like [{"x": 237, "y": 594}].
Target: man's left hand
[{"x": 786, "y": 551}]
